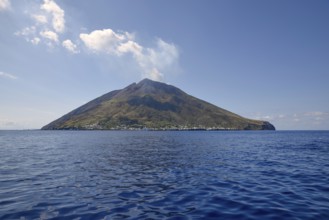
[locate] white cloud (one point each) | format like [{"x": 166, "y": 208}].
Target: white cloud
[
  {"x": 105, "y": 40},
  {"x": 26, "y": 32},
  {"x": 70, "y": 46},
  {"x": 35, "y": 41},
  {"x": 41, "y": 29},
  {"x": 130, "y": 47},
  {"x": 4, "y": 5},
  {"x": 40, "y": 19},
  {"x": 50, "y": 35},
  {"x": 58, "y": 21},
  {"x": 29, "y": 33},
  {"x": 8, "y": 75}
]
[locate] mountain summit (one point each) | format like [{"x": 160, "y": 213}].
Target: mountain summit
[{"x": 155, "y": 106}]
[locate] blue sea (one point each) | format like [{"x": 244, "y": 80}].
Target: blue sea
[{"x": 164, "y": 175}]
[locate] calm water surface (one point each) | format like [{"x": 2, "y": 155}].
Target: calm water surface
[{"x": 164, "y": 175}]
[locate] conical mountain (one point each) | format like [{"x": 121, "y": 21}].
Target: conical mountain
[{"x": 153, "y": 105}]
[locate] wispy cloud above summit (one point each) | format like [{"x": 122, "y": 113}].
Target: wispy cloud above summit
[
  {"x": 49, "y": 27},
  {"x": 152, "y": 61}
]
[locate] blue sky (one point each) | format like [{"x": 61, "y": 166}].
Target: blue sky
[{"x": 265, "y": 60}]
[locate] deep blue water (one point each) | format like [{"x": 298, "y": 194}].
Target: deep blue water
[{"x": 164, "y": 175}]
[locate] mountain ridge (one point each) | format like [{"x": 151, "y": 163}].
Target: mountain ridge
[{"x": 154, "y": 106}]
